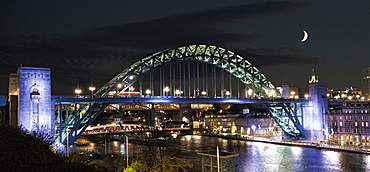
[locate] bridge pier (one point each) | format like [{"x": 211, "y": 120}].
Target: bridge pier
[
  {"x": 314, "y": 113},
  {"x": 34, "y": 106}
]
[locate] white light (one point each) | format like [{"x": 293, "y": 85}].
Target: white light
[
  {"x": 92, "y": 88},
  {"x": 250, "y": 91},
  {"x": 166, "y": 89},
  {"x": 204, "y": 93},
  {"x": 184, "y": 119},
  {"x": 148, "y": 92},
  {"x": 178, "y": 92},
  {"x": 78, "y": 91},
  {"x": 253, "y": 128},
  {"x": 227, "y": 93}
]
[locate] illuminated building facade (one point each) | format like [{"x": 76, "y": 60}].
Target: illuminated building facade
[
  {"x": 33, "y": 94},
  {"x": 349, "y": 124},
  {"x": 365, "y": 82},
  {"x": 223, "y": 123},
  {"x": 257, "y": 125},
  {"x": 348, "y": 93}
]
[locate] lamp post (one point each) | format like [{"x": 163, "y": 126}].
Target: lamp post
[
  {"x": 254, "y": 130},
  {"x": 78, "y": 92},
  {"x": 92, "y": 89},
  {"x": 148, "y": 92},
  {"x": 292, "y": 94},
  {"x": 227, "y": 93},
  {"x": 130, "y": 90},
  {"x": 306, "y": 96},
  {"x": 249, "y": 92},
  {"x": 166, "y": 90},
  {"x": 204, "y": 93},
  {"x": 178, "y": 92},
  {"x": 118, "y": 87},
  {"x": 350, "y": 98},
  {"x": 358, "y": 97}
]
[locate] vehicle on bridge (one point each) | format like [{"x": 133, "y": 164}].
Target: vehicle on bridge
[
  {"x": 115, "y": 128},
  {"x": 126, "y": 93}
]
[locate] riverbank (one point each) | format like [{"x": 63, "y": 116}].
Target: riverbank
[{"x": 301, "y": 143}]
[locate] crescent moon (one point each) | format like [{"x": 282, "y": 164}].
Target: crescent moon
[{"x": 305, "y": 36}]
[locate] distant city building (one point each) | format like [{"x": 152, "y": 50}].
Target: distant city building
[
  {"x": 221, "y": 123},
  {"x": 246, "y": 124},
  {"x": 13, "y": 84},
  {"x": 290, "y": 92},
  {"x": 349, "y": 124},
  {"x": 348, "y": 93},
  {"x": 365, "y": 82},
  {"x": 257, "y": 125}
]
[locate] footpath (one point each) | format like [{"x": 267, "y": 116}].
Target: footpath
[{"x": 301, "y": 143}]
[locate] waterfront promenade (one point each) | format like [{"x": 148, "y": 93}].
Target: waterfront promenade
[{"x": 301, "y": 143}]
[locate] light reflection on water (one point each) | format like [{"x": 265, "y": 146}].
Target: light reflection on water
[{"x": 256, "y": 156}]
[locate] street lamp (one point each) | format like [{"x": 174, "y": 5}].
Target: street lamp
[
  {"x": 92, "y": 89},
  {"x": 350, "y": 98},
  {"x": 249, "y": 92},
  {"x": 130, "y": 90},
  {"x": 292, "y": 94},
  {"x": 78, "y": 92},
  {"x": 178, "y": 92},
  {"x": 148, "y": 92},
  {"x": 166, "y": 90},
  {"x": 358, "y": 97},
  {"x": 204, "y": 93},
  {"x": 119, "y": 86},
  {"x": 227, "y": 93}
]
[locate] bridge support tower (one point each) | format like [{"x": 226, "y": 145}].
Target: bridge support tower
[
  {"x": 34, "y": 106},
  {"x": 314, "y": 118}
]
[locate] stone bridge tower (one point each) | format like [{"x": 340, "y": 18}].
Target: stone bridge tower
[
  {"x": 314, "y": 116},
  {"x": 34, "y": 107}
]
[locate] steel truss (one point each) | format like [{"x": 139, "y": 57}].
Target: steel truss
[
  {"x": 75, "y": 119},
  {"x": 288, "y": 116},
  {"x": 218, "y": 56}
]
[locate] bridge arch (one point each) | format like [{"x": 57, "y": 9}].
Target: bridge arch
[{"x": 214, "y": 55}]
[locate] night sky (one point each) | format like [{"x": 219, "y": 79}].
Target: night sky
[{"x": 91, "y": 40}]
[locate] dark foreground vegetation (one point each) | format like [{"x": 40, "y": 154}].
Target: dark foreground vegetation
[{"x": 22, "y": 151}]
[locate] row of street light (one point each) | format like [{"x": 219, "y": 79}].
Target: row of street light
[{"x": 148, "y": 92}]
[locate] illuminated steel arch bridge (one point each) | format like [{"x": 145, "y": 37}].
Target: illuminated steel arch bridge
[{"x": 186, "y": 74}]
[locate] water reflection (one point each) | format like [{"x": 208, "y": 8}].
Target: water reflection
[{"x": 255, "y": 156}]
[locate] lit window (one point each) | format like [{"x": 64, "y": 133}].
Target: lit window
[
  {"x": 355, "y": 124},
  {"x": 340, "y": 123}
]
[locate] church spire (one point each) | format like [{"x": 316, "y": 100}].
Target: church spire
[{"x": 313, "y": 78}]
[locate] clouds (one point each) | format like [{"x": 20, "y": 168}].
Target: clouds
[
  {"x": 199, "y": 26},
  {"x": 101, "y": 53}
]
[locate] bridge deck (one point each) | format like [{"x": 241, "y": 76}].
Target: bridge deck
[{"x": 172, "y": 99}]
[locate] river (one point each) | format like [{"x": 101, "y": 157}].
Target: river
[{"x": 256, "y": 156}]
